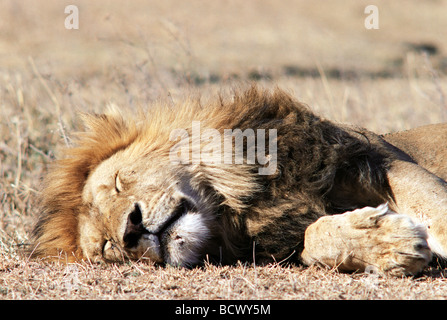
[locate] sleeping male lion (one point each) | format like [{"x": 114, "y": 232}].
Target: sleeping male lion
[{"x": 257, "y": 177}]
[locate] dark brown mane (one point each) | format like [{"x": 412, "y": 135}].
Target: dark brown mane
[{"x": 323, "y": 168}]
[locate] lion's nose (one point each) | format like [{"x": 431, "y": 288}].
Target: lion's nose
[{"x": 134, "y": 227}]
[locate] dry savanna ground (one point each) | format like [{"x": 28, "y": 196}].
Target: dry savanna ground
[{"x": 133, "y": 53}]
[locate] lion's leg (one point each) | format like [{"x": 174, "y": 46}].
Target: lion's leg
[
  {"x": 368, "y": 237},
  {"x": 423, "y": 196}
]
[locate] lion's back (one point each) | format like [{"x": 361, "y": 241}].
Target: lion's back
[{"x": 426, "y": 145}]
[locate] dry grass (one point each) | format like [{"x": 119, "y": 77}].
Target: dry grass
[
  {"x": 132, "y": 54},
  {"x": 36, "y": 280}
]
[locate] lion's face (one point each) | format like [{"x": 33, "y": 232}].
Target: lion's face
[{"x": 144, "y": 209}]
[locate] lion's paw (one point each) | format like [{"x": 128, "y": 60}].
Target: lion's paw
[{"x": 368, "y": 237}]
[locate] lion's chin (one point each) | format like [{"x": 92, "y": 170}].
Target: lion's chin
[
  {"x": 180, "y": 245},
  {"x": 148, "y": 248}
]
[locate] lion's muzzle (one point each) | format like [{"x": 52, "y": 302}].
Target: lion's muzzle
[{"x": 173, "y": 240}]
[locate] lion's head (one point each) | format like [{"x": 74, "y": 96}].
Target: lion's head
[{"x": 118, "y": 193}]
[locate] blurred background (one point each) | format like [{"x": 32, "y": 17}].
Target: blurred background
[
  {"x": 145, "y": 49},
  {"x": 218, "y": 39}
]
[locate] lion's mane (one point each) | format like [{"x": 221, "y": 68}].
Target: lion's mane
[{"x": 323, "y": 168}]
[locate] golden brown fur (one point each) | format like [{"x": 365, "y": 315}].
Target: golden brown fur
[
  {"x": 57, "y": 229},
  {"x": 322, "y": 169}
]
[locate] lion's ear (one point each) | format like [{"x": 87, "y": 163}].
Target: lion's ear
[
  {"x": 113, "y": 118},
  {"x": 109, "y": 131}
]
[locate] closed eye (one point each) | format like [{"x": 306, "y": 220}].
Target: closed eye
[{"x": 118, "y": 185}]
